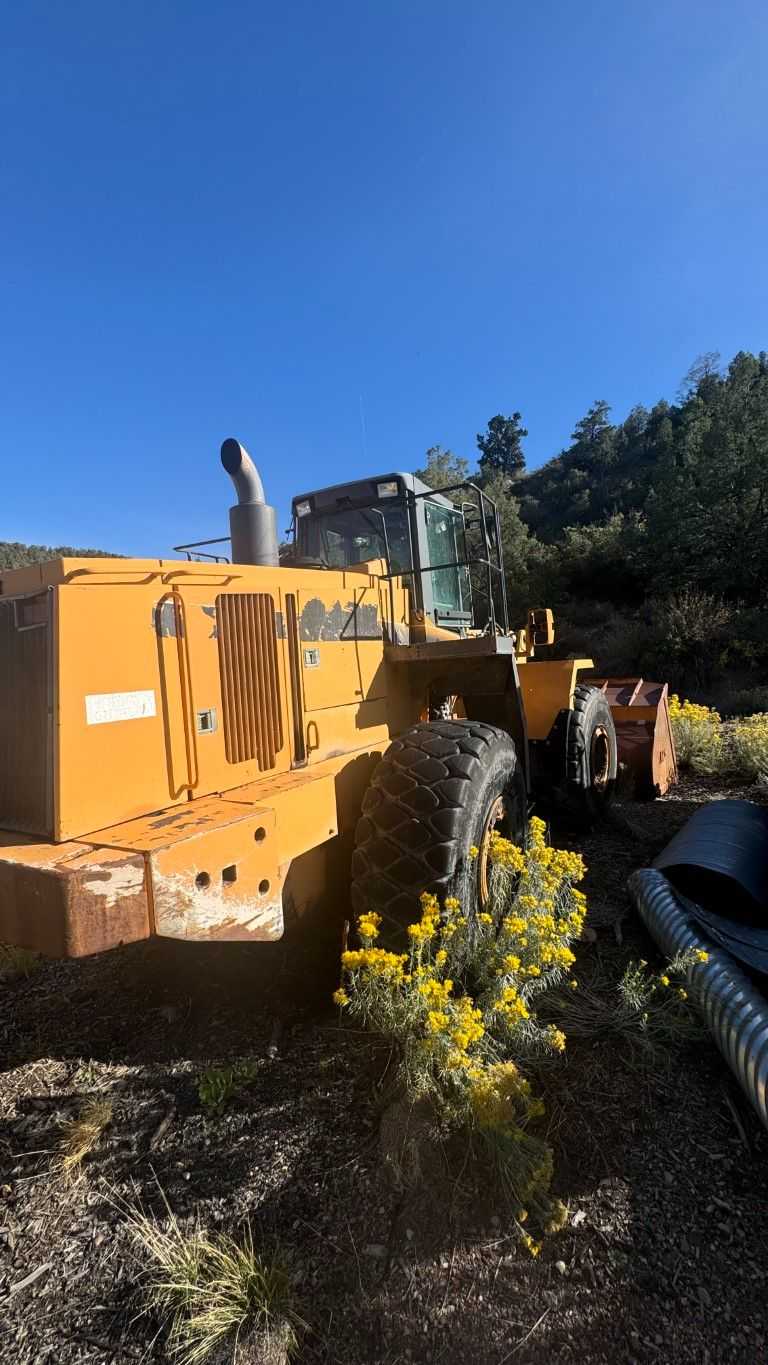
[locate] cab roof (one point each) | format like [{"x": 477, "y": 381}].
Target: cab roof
[{"x": 363, "y": 490}]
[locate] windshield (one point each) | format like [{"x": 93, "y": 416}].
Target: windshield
[{"x": 355, "y": 536}]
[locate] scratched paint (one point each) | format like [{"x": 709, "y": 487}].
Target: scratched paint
[
  {"x": 166, "y": 620},
  {"x": 183, "y": 910},
  {"x": 110, "y": 883},
  {"x": 356, "y": 621},
  {"x": 397, "y": 634},
  {"x": 211, "y": 611}
]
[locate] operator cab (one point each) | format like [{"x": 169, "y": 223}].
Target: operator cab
[{"x": 427, "y": 538}]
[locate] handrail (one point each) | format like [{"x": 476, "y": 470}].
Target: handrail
[
  {"x": 187, "y": 694},
  {"x": 208, "y": 577},
  {"x": 148, "y": 574},
  {"x": 194, "y": 545}
]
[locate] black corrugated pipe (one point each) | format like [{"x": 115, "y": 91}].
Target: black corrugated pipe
[
  {"x": 734, "y": 1009},
  {"x": 252, "y": 524}
]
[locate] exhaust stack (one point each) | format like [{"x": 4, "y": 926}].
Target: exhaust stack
[{"x": 252, "y": 524}]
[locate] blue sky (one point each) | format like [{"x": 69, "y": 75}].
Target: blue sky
[{"x": 343, "y": 232}]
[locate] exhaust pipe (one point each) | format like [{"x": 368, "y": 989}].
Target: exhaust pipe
[
  {"x": 735, "y": 1012},
  {"x": 252, "y": 524}
]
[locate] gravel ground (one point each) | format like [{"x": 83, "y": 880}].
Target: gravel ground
[{"x": 660, "y": 1162}]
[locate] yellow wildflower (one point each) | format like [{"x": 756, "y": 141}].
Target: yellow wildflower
[
  {"x": 375, "y": 961},
  {"x": 421, "y": 933},
  {"x": 514, "y": 924},
  {"x": 368, "y": 925},
  {"x": 505, "y": 853},
  {"x": 537, "y": 830},
  {"x": 436, "y": 992},
  {"x": 340, "y": 997}
]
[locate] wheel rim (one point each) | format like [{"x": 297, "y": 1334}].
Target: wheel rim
[
  {"x": 600, "y": 758},
  {"x": 496, "y": 817}
]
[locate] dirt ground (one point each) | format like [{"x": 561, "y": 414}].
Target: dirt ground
[{"x": 661, "y": 1164}]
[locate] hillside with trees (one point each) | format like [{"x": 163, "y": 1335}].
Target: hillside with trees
[
  {"x": 15, "y": 555},
  {"x": 648, "y": 536}
]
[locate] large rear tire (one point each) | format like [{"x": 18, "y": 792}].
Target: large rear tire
[
  {"x": 437, "y": 791},
  {"x": 591, "y": 757}
]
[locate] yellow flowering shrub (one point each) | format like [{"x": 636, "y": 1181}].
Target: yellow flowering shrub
[
  {"x": 649, "y": 1001},
  {"x": 461, "y": 1004},
  {"x": 702, "y": 742},
  {"x": 697, "y": 733},
  {"x": 647, "y": 1009},
  {"x": 748, "y": 742}
]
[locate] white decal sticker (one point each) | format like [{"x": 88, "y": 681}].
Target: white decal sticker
[{"x": 103, "y": 707}]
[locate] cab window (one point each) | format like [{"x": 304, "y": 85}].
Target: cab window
[{"x": 445, "y": 545}]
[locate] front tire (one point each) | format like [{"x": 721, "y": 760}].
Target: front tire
[
  {"x": 437, "y": 791},
  {"x": 591, "y": 756}
]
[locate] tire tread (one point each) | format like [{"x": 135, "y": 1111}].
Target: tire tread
[{"x": 424, "y": 778}]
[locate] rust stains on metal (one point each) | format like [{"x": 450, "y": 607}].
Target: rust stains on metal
[
  {"x": 74, "y": 904},
  {"x": 640, "y": 710}
]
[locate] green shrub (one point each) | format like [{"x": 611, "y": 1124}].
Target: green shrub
[
  {"x": 746, "y": 701},
  {"x": 17, "y": 963},
  {"x": 686, "y": 638},
  {"x": 218, "y": 1085}
]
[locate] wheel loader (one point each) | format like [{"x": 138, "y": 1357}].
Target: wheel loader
[{"x": 202, "y": 748}]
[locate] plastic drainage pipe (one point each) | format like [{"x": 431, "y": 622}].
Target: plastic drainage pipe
[{"x": 735, "y": 1012}]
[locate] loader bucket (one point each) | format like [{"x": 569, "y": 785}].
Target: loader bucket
[{"x": 641, "y": 715}]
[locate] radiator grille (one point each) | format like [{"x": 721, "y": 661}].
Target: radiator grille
[
  {"x": 250, "y": 692},
  {"x": 25, "y": 767}
]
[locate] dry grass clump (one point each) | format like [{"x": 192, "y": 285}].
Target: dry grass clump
[
  {"x": 217, "y": 1293},
  {"x": 82, "y": 1134},
  {"x": 17, "y": 963}
]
